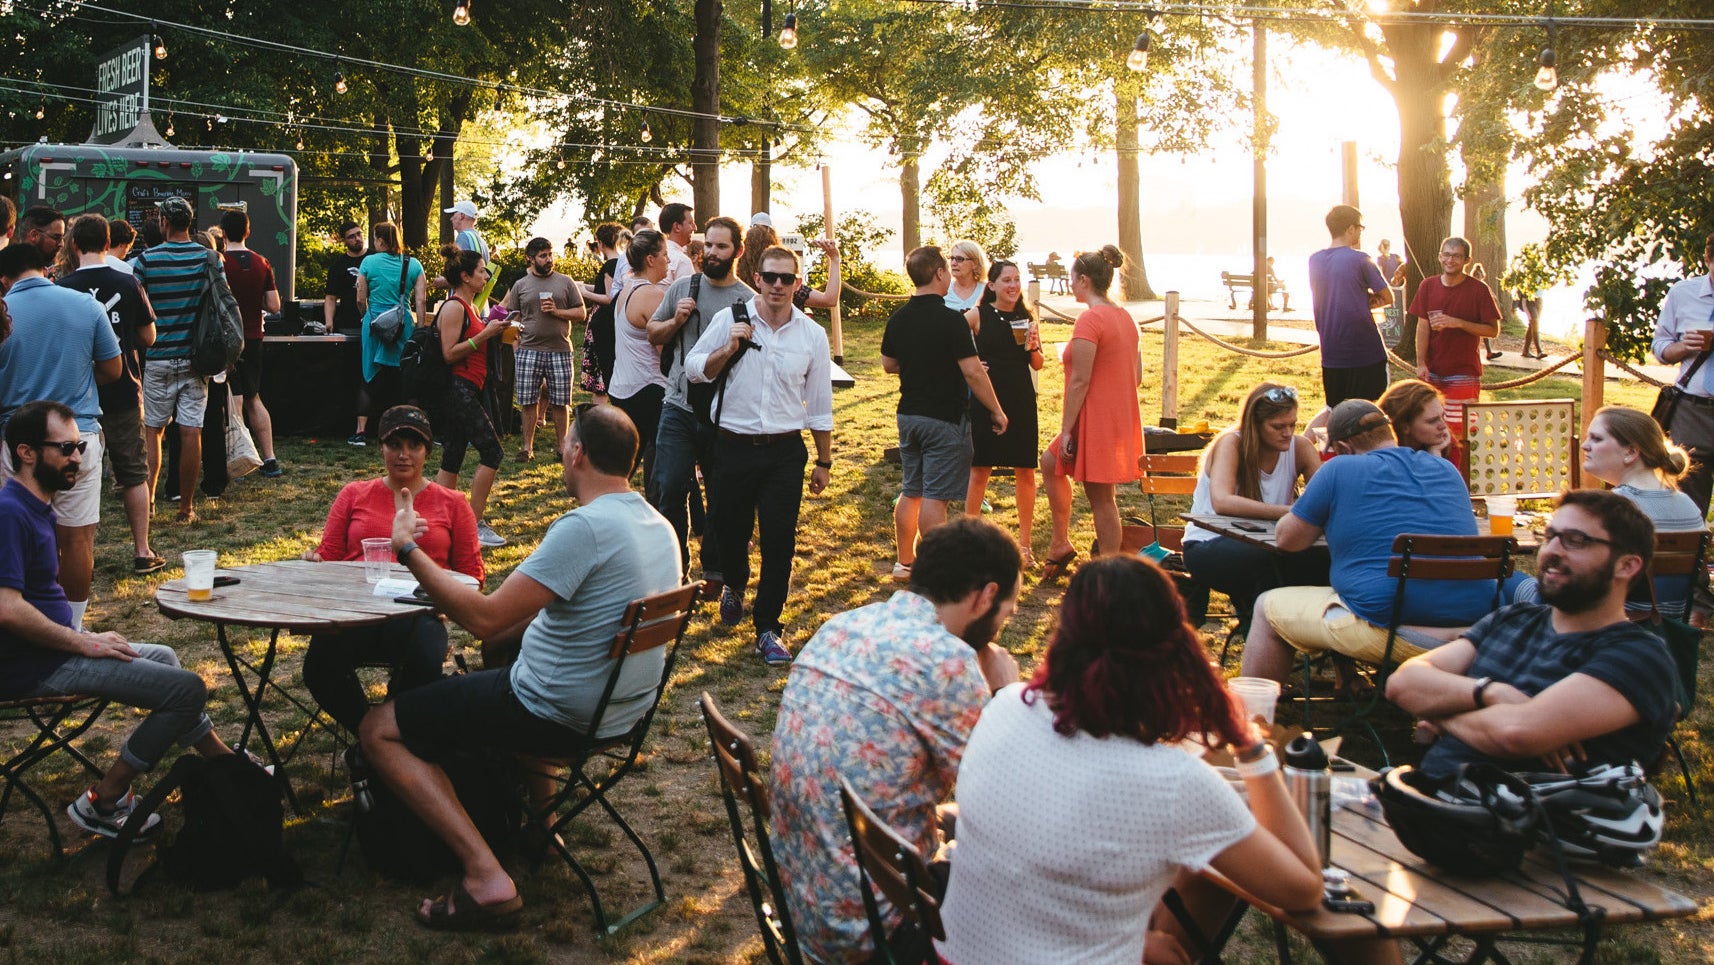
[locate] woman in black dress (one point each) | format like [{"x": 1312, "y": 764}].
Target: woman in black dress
[{"x": 1009, "y": 342}]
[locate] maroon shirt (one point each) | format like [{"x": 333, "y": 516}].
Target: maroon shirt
[
  {"x": 251, "y": 277},
  {"x": 1454, "y": 351}
]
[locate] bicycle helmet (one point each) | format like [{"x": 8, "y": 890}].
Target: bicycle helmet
[
  {"x": 1478, "y": 821},
  {"x": 1609, "y": 815}
]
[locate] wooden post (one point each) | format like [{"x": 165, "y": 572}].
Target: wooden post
[
  {"x": 1169, "y": 364},
  {"x": 827, "y": 231},
  {"x": 1032, "y": 294},
  {"x": 1259, "y": 192},
  {"x": 1594, "y": 370}
]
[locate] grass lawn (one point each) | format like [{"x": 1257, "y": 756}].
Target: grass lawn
[{"x": 60, "y": 911}]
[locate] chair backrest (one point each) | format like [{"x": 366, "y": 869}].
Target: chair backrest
[
  {"x": 741, "y": 777},
  {"x": 1166, "y": 475},
  {"x": 653, "y": 621},
  {"x": 1426, "y": 557},
  {"x": 1523, "y": 448},
  {"x": 888, "y": 862}
]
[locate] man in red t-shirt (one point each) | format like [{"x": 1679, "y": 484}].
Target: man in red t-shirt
[
  {"x": 252, "y": 281},
  {"x": 1454, "y": 313}
]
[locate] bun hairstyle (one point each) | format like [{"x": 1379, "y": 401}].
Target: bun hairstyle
[
  {"x": 460, "y": 264},
  {"x": 1639, "y": 431},
  {"x": 643, "y": 244},
  {"x": 1098, "y": 266}
]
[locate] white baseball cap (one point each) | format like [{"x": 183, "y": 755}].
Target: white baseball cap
[
  {"x": 466, "y": 208},
  {"x": 761, "y": 217}
]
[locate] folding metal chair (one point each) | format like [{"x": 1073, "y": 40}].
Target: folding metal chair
[
  {"x": 885, "y": 860},
  {"x": 649, "y": 623},
  {"x": 57, "y": 721},
  {"x": 740, "y": 776},
  {"x": 1679, "y": 554}
]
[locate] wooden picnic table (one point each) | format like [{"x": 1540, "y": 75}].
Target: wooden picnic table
[
  {"x": 287, "y": 595},
  {"x": 1260, "y": 532},
  {"x": 1427, "y": 906}
]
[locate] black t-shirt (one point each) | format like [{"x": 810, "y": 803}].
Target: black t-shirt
[
  {"x": 929, "y": 340},
  {"x": 122, "y": 302},
  {"x": 342, "y": 284}
]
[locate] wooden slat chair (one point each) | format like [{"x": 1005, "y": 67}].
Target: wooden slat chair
[
  {"x": 1174, "y": 475},
  {"x": 54, "y": 723},
  {"x": 649, "y": 623},
  {"x": 1425, "y": 557},
  {"x": 1680, "y": 554},
  {"x": 741, "y": 777},
  {"x": 894, "y": 866}
]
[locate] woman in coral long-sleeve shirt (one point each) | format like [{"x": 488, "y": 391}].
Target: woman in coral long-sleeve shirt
[{"x": 414, "y": 648}]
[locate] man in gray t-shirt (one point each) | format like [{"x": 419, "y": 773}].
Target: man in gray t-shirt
[
  {"x": 567, "y": 602},
  {"x": 686, "y": 436}
]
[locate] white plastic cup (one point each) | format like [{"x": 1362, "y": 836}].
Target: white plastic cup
[
  {"x": 1259, "y": 695},
  {"x": 199, "y": 574},
  {"x": 377, "y": 558}
]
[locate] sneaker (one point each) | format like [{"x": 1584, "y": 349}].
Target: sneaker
[
  {"x": 356, "y": 439},
  {"x": 486, "y": 536},
  {"x": 731, "y": 606},
  {"x": 272, "y": 469},
  {"x": 774, "y": 653},
  {"x": 86, "y": 814}
]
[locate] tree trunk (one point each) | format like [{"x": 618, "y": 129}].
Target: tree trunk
[
  {"x": 910, "y": 197},
  {"x": 1134, "y": 274},
  {"x": 1485, "y": 229},
  {"x": 413, "y": 206},
  {"x": 705, "y": 100},
  {"x": 380, "y": 203},
  {"x": 762, "y": 180},
  {"x": 1425, "y": 180}
]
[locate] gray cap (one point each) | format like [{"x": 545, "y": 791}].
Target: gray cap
[
  {"x": 176, "y": 206},
  {"x": 1352, "y": 418}
]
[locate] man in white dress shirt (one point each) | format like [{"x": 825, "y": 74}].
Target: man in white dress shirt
[
  {"x": 779, "y": 384},
  {"x": 1682, "y": 335},
  {"x": 678, "y": 223}
]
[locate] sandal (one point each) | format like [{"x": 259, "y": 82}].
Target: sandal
[
  {"x": 458, "y": 911},
  {"x": 525, "y": 455},
  {"x": 1056, "y": 566},
  {"x": 147, "y": 564}
]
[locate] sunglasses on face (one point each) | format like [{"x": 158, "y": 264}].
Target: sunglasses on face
[
  {"x": 65, "y": 448},
  {"x": 1572, "y": 539},
  {"x": 777, "y": 277},
  {"x": 957, "y": 258}
]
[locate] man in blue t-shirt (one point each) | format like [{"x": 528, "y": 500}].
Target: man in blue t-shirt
[
  {"x": 43, "y": 655},
  {"x": 567, "y": 600},
  {"x": 1374, "y": 491},
  {"x": 1549, "y": 687},
  {"x": 1345, "y": 287}
]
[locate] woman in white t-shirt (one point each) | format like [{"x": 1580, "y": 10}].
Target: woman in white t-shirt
[
  {"x": 1078, "y": 808},
  {"x": 637, "y": 386}
]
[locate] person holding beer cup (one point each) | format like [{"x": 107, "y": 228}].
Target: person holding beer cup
[
  {"x": 1008, "y": 340},
  {"x": 547, "y": 302}
]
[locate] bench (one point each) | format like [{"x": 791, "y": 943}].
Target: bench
[{"x": 1235, "y": 283}]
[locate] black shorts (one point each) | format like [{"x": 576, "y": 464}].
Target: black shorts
[
  {"x": 477, "y": 712},
  {"x": 246, "y": 375},
  {"x": 1357, "y": 382}
]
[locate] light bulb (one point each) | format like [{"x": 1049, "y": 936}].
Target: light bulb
[
  {"x": 169, "y": 125},
  {"x": 648, "y": 135},
  {"x": 39, "y": 113},
  {"x": 560, "y": 164},
  {"x": 300, "y": 142},
  {"x": 160, "y": 49},
  {"x": 461, "y": 13},
  {"x": 1547, "y": 78},
  {"x": 339, "y": 84},
  {"x": 1139, "y": 57},
  {"x": 788, "y": 33}
]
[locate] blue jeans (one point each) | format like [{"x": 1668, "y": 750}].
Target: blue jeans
[
  {"x": 761, "y": 489},
  {"x": 682, "y": 443},
  {"x": 154, "y": 682}
]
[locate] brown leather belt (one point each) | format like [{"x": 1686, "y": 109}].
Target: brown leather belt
[{"x": 766, "y": 439}]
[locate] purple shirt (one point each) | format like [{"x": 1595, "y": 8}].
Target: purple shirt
[
  {"x": 29, "y": 563},
  {"x": 1340, "y": 280}
]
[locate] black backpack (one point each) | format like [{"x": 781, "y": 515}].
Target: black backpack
[
  {"x": 423, "y": 372},
  {"x": 232, "y": 826},
  {"x": 398, "y": 845},
  {"x": 217, "y": 336}
]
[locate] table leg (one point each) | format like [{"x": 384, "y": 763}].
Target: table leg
[{"x": 253, "y": 701}]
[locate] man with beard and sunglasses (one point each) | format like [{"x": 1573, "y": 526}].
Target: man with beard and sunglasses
[
  {"x": 43, "y": 654},
  {"x": 885, "y": 696},
  {"x": 1571, "y": 683},
  {"x": 685, "y": 439}
]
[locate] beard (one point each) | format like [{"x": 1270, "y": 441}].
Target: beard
[
  {"x": 1576, "y": 593},
  {"x": 52, "y": 480},
  {"x": 981, "y": 631},
  {"x": 541, "y": 272},
  {"x": 354, "y": 247},
  {"x": 715, "y": 268}
]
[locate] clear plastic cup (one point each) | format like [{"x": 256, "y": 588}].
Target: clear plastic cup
[
  {"x": 1501, "y": 510},
  {"x": 1259, "y": 695},
  {"x": 1021, "y": 330},
  {"x": 199, "y": 568},
  {"x": 377, "y": 558}
]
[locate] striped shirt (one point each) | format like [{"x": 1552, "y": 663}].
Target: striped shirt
[{"x": 172, "y": 275}]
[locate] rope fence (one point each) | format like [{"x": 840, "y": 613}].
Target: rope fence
[
  {"x": 873, "y": 296},
  {"x": 1239, "y": 349},
  {"x": 1536, "y": 376},
  {"x": 1635, "y": 373}
]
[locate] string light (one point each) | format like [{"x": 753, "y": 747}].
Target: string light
[
  {"x": 160, "y": 47},
  {"x": 339, "y": 84},
  {"x": 461, "y": 13},
  {"x": 788, "y": 33},
  {"x": 560, "y": 164},
  {"x": 170, "y": 130},
  {"x": 41, "y": 109},
  {"x": 1139, "y": 58},
  {"x": 1547, "y": 77},
  {"x": 647, "y": 135},
  {"x": 300, "y": 142}
]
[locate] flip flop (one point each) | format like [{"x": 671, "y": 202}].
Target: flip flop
[
  {"x": 460, "y": 912},
  {"x": 1056, "y": 566}
]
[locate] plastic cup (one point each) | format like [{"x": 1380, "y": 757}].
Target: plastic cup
[
  {"x": 377, "y": 558},
  {"x": 1020, "y": 330},
  {"x": 1259, "y": 695},
  {"x": 1501, "y": 509},
  {"x": 199, "y": 574},
  {"x": 509, "y": 334}
]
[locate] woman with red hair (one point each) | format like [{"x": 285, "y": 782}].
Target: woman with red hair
[{"x": 1077, "y": 807}]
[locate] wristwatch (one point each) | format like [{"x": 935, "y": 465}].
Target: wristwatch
[
  {"x": 1479, "y": 694},
  {"x": 405, "y": 551},
  {"x": 824, "y": 465}
]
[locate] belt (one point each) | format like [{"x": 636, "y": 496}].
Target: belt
[
  {"x": 1700, "y": 400},
  {"x": 765, "y": 439}
]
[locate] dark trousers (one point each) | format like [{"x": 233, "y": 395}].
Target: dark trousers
[
  {"x": 761, "y": 489},
  {"x": 1693, "y": 428},
  {"x": 413, "y": 649},
  {"x": 682, "y": 443},
  {"x": 1358, "y": 382},
  {"x": 644, "y": 408},
  {"x": 1243, "y": 571}
]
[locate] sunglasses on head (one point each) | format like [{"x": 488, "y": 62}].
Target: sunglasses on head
[
  {"x": 65, "y": 448},
  {"x": 1281, "y": 395},
  {"x": 777, "y": 277}
]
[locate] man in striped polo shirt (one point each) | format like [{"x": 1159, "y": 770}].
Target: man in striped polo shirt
[{"x": 171, "y": 274}]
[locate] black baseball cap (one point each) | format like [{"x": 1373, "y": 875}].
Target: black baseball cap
[{"x": 406, "y": 418}]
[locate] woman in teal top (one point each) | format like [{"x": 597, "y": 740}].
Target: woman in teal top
[{"x": 377, "y": 291}]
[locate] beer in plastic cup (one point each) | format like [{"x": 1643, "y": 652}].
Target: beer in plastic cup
[
  {"x": 199, "y": 574},
  {"x": 1020, "y": 330},
  {"x": 1501, "y": 509}
]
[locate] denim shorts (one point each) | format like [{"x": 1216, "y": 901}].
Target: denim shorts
[{"x": 936, "y": 457}]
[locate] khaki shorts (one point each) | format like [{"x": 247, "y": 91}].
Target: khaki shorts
[
  {"x": 81, "y": 504},
  {"x": 1313, "y": 618},
  {"x": 172, "y": 391}
]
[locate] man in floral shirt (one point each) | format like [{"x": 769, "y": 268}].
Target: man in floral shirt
[{"x": 885, "y": 696}]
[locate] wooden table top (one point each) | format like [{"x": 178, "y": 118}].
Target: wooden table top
[
  {"x": 1261, "y": 532},
  {"x": 295, "y": 595}
]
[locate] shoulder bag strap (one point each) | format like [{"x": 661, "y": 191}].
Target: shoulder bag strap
[
  {"x": 695, "y": 293},
  {"x": 1701, "y": 357},
  {"x": 404, "y": 272},
  {"x": 740, "y": 316}
]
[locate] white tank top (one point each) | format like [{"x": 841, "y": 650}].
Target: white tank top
[
  {"x": 636, "y": 363},
  {"x": 1275, "y": 488}
]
